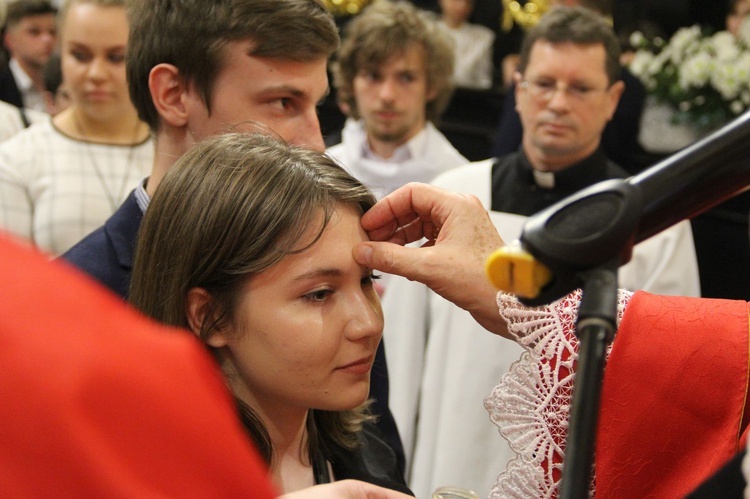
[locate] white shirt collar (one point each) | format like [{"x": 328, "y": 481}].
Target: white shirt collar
[
  {"x": 410, "y": 149},
  {"x": 141, "y": 196},
  {"x": 32, "y": 98},
  {"x": 22, "y": 79}
]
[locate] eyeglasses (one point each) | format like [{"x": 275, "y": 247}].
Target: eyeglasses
[{"x": 544, "y": 90}]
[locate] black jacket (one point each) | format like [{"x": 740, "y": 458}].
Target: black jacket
[
  {"x": 374, "y": 463},
  {"x": 8, "y": 88}
]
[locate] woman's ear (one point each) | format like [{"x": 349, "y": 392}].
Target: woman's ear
[{"x": 198, "y": 304}]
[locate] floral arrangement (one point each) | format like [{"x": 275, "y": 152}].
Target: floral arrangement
[{"x": 705, "y": 78}]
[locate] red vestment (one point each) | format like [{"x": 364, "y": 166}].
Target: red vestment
[
  {"x": 97, "y": 401},
  {"x": 674, "y": 395}
]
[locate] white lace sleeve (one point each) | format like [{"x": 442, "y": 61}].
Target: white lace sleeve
[{"x": 530, "y": 405}]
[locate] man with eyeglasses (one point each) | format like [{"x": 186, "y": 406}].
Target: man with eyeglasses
[
  {"x": 567, "y": 89},
  {"x": 620, "y": 135}
]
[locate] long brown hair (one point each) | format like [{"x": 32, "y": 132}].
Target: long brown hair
[{"x": 227, "y": 210}]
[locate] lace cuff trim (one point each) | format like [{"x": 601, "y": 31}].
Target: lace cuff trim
[{"x": 531, "y": 404}]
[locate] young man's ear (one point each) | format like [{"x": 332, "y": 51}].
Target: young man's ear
[
  {"x": 168, "y": 91},
  {"x": 198, "y": 305}
]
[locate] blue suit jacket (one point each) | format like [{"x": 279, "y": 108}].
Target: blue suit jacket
[{"x": 107, "y": 255}]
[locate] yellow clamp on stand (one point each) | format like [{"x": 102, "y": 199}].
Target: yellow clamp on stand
[{"x": 513, "y": 270}]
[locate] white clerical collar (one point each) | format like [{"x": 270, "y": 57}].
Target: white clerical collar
[{"x": 545, "y": 180}]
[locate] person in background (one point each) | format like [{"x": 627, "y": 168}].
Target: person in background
[
  {"x": 56, "y": 95},
  {"x": 473, "y": 45},
  {"x": 62, "y": 178},
  {"x": 567, "y": 90},
  {"x": 13, "y": 119},
  {"x": 737, "y": 12},
  {"x": 192, "y": 76},
  {"x": 29, "y": 36},
  {"x": 267, "y": 281},
  {"x": 620, "y": 137},
  {"x": 393, "y": 79}
]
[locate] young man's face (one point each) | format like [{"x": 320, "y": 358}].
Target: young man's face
[
  {"x": 279, "y": 94},
  {"x": 32, "y": 40},
  {"x": 391, "y": 98}
]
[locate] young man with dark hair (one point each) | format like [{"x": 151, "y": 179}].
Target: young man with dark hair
[{"x": 29, "y": 36}]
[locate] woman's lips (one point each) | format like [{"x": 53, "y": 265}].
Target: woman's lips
[{"x": 360, "y": 366}]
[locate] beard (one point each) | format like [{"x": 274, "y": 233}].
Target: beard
[{"x": 395, "y": 133}]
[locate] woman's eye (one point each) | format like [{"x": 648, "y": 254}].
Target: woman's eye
[
  {"x": 79, "y": 56},
  {"x": 318, "y": 296}
]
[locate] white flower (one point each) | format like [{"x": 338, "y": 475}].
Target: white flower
[
  {"x": 724, "y": 45},
  {"x": 637, "y": 39},
  {"x": 684, "y": 41},
  {"x": 691, "y": 69},
  {"x": 727, "y": 79},
  {"x": 641, "y": 63},
  {"x": 696, "y": 71},
  {"x": 743, "y": 68},
  {"x": 659, "y": 62}
]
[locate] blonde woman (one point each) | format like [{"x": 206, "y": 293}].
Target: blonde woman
[{"x": 61, "y": 179}]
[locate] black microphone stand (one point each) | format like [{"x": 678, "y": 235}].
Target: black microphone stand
[
  {"x": 586, "y": 237},
  {"x": 595, "y": 328}
]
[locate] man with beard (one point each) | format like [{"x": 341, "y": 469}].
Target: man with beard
[{"x": 393, "y": 78}]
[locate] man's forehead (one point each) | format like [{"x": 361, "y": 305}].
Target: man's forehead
[
  {"x": 33, "y": 20},
  {"x": 542, "y": 49},
  {"x": 412, "y": 56}
]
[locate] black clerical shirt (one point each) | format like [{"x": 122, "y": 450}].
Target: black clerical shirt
[{"x": 516, "y": 190}]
